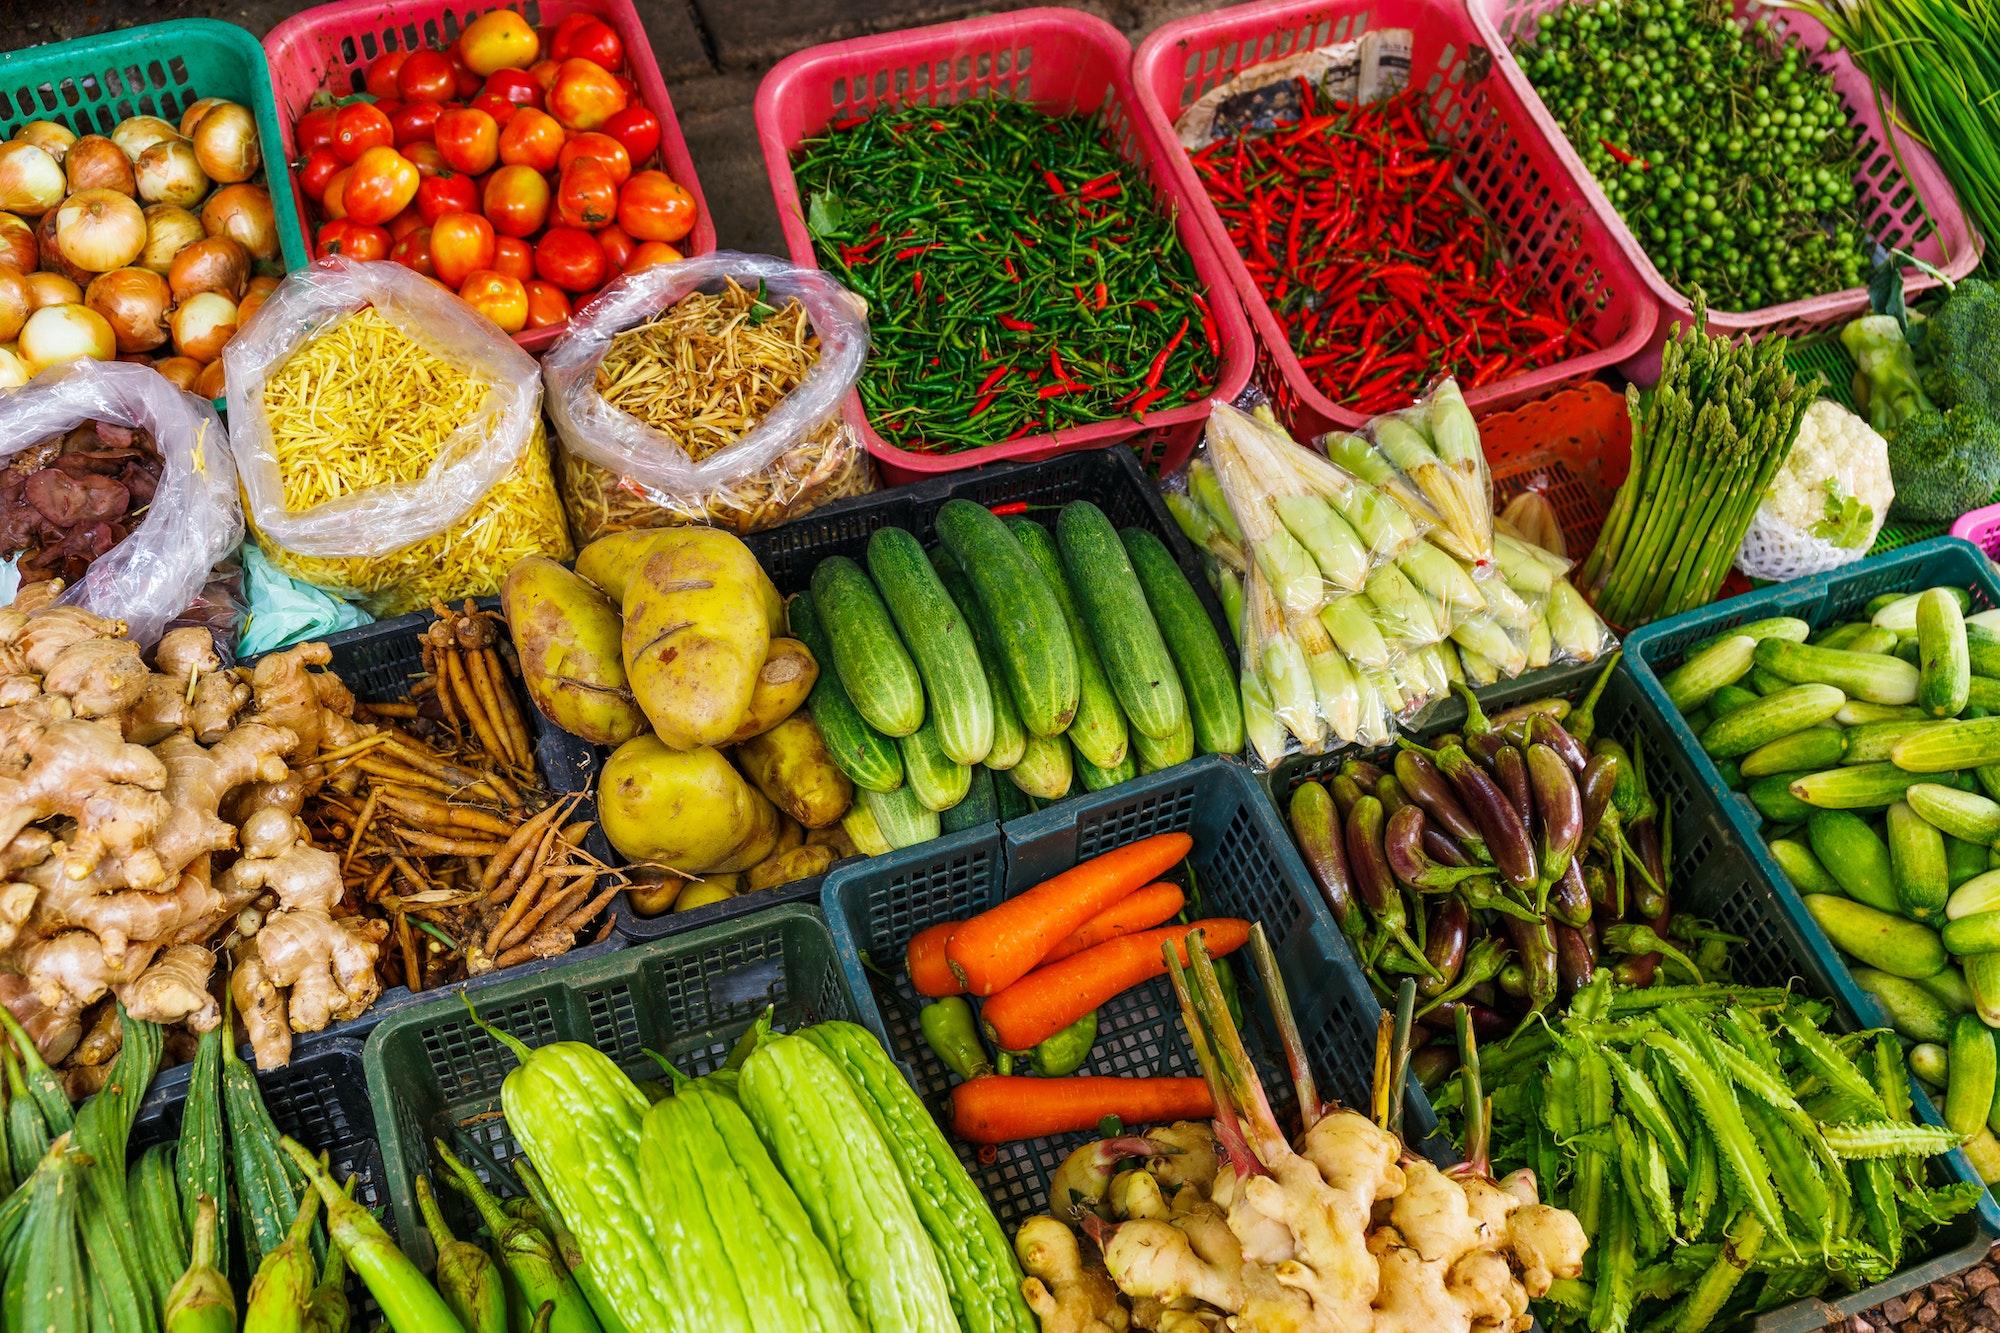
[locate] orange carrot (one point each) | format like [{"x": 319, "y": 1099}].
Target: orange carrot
[
  {"x": 1143, "y": 910},
  {"x": 1000, "y": 946},
  {"x": 1001, "y": 1108},
  {"x": 1050, "y": 998},
  {"x": 929, "y": 972}
]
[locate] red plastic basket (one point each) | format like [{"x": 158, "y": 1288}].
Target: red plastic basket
[
  {"x": 1508, "y": 170},
  {"x": 1905, "y": 199},
  {"x": 330, "y": 48},
  {"x": 1058, "y": 60}
]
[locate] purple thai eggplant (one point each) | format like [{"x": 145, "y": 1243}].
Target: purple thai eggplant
[
  {"x": 1345, "y": 792},
  {"x": 1486, "y": 746},
  {"x": 1363, "y": 772},
  {"x": 1545, "y": 730},
  {"x": 1576, "y": 957},
  {"x": 1483, "y": 962},
  {"x": 1513, "y": 981},
  {"x": 1535, "y": 945},
  {"x": 1421, "y": 781},
  {"x": 1510, "y": 770},
  {"x": 1444, "y": 944},
  {"x": 1322, "y": 844},
  {"x": 1373, "y": 879},
  {"x": 1558, "y": 811},
  {"x": 1599, "y": 781},
  {"x": 1403, "y": 844},
  {"x": 1433, "y": 1064},
  {"x": 1639, "y": 971},
  {"x": 1569, "y": 897},
  {"x": 1500, "y": 824},
  {"x": 1517, "y": 723},
  {"x": 1487, "y": 1024},
  {"x": 1391, "y": 794},
  {"x": 1597, "y": 883},
  {"x": 1443, "y": 848}
]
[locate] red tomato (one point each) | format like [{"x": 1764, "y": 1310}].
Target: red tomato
[
  {"x": 358, "y": 127},
  {"x": 404, "y": 223},
  {"x": 571, "y": 259},
  {"x": 546, "y": 305},
  {"x": 587, "y": 196},
  {"x": 532, "y": 139},
  {"x": 381, "y": 76},
  {"x": 585, "y": 95},
  {"x": 516, "y": 86},
  {"x": 343, "y": 236},
  {"x": 465, "y": 83},
  {"x": 426, "y": 76},
  {"x": 556, "y": 40},
  {"x": 497, "y": 40},
  {"x": 499, "y": 108},
  {"x": 448, "y": 192},
  {"x": 383, "y": 184},
  {"x": 544, "y": 74},
  {"x": 649, "y": 253},
  {"x": 414, "y": 252},
  {"x": 638, "y": 129},
  {"x": 600, "y": 146},
  {"x": 653, "y": 208},
  {"x": 389, "y": 106},
  {"x": 617, "y": 245},
  {"x": 498, "y": 297},
  {"x": 517, "y": 200},
  {"x": 314, "y": 131},
  {"x": 415, "y": 122},
  {"x": 592, "y": 39},
  {"x": 461, "y": 244},
  {"x": 334, "y": 201},
  {"x": 514, "y": 257},
  {"x": 426, "y": 158},
  {"x": 320, "y": 168},
  {"x": 469, "y": 139}
]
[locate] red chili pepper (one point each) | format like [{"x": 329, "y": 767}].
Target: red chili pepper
[
  {"x": 1055, "y": 183},
  {"x": 850, "y": 122},
  {"x": 1153, "y": 307},
  {"x": 994, "y": 378},
  {"x": 1056, "y": 365},
  {"x": 1008, "y": 262},
  {"x": 911, "y": 252},
  {"x": 1016, "y": 325},
  {"x": 1103, "y": 296},
  {"x": 1056, "y": 390},
  {"x": 1160, "y": 362},
  {"x": 1011, "y": 509},
  {"x": 1625, "y": 158},
  {"x": 917, "y": 283},
  {"x": 1147, "y": 400},
  {"x": 985, "y": 401}
]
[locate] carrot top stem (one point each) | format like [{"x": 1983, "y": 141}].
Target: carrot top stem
[{"x": 1303, "y": 1083}]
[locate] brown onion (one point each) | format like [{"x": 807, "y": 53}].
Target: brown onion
[
  {"x": 135, "y": 134},
  {"x": 99, "y": 230},
  {"x": 54, "y": 289},
  {"x": 244, "y": 212},
  {"x": 52, "y": 258},
  {"x": 225, "y": 141},
  {"x": 192, "y": 116},
  {"x": 216, "y": 264},
  {"x": 134, "y": 302},
  {"x": 17, "y": 244},
  {"x": 182, "y": 370},
  {"x": 253, "y": 300},
  {"x": 14, "y": 370},
  {"x": 204, "y": 325},
  {"x": 96, "y": 163},
  {"x": 53, "y": 139},
  {"x": 211, "y": 382},
  {"x": 58, "y": 333},
  {"x": 17, "y": 301},
  {"x": 169, "y": 230},
  {"x": 30, "y": 181},
  {"x": 169, "y": 173}
]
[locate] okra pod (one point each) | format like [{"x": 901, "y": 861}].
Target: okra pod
[
  {"x": 409, "y": 1302},
  {"x": 467, "y": 1277},
  {"x": 201, "y": 1300}
]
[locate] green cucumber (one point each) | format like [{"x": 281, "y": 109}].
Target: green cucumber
[
  {"x": 1944, "y": 670},
  {"x": 1838, "y": 636},
  {"x": 1773, "y": 627},
  {"x": 870, "y": 759},
  {"x": 1868, "y": 639},
  {"x": 1121, "y": 624},
  {"x": 1860, "y": 787},
  {"x": 1812, "y": 749},
  {"x": 1695, "y": 681},
  {"x": 1966, "y": 860},
  {"x": 1731, "y": 773},
  {"x": 1098, "y": 729},
  {"x": 980, "y": 806},
  {"x": 1929, "y": 1062},
  {"x": 936, "y": 779},
  {"x": 1728, "y": 699},
  {"x": 1856, "y": 859},
  {"x": 1907, "y": 649},
  {"x": 1916, "y": 853},
  {"x": 1045, "y": 770},
  {"x": 1038, "y": 656},
  {"x": 1968, "y": 1097},
  {"x": 1951, "y": 987},
  {"x": 1954, "y": 745},
  {"x": 1874, "y": 742},
  {"x": 1900, "y": 613},
  {"x": 1913, "y": 1012},
  {"x": 1767, "y": 682},
  {"x": 1973, "y": 934},
  {"x": 1859, "y": 712},
  {"x": 1882, "y": 599},
  {"x": 1773, "y": 716},
  {"x": 1982, "y": 697},
  {"x": 1155, "y": 755},
  {"x": 1198, "y": 655},
  {"x": 874, "y": 666},
  {"x": 1870, "y": 676},
  {"x": 1774, "y": 800},
  {"x": 1982, "y": 977},
  {"x": 904, "y": 821},
  {"x": 940, "y": 642},
  {"x": 1013, "y": 801},
  {"x": 1802, "y": 868},
  {"x": 1880, "y": 939},
  {"x": 1979, "y": 894},
  {"x": 1097, "y": 779},
  {"x": 1010, "y": 738},
  {"x": 1982, "y": 648},
  {"x": 1963, "y": 814}
]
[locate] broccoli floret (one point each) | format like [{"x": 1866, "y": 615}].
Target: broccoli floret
[
  {"x": 1944, "y": 463},
  {"x": 1962, "y": 349}
]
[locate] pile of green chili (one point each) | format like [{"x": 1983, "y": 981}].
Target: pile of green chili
[{"x": 1018, "y": 276}]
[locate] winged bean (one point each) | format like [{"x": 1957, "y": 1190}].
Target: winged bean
[
  {"x": 1875, "y": 1193},
  {"x": 1736, "y": 1149},
  {"x": 1644, "y": 1103},
  {"x": 1828, "y": 1063},
  {"x": 1892, "y": 1076},
  {"x": 1882, "y": 1139},
  {"x": 1611, "y": 1304},
  {"x": 1704, "y": 1180},
  {"x": 1743, "y": 1239},
  {"x": 1797, "y": 1175}
]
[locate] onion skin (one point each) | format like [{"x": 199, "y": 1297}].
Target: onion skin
[
  {"x": 134, "y": 302},
  {"x": 192, "y": 116},
  {"x": 218, "y": 264},
  {"x": 17, "y": 244},
  {"x": 135, "y": 134},
  {"x": 30, "y": 181},
  {"x": 181, "y": 371},
  {"x": 52, "y": 258},
  {"x": 211, "y": 382},
  {"x": 243, "y": 212},
  {"x": 96, "y": 163},
  {"x": 170, "y": 173},
  {"x": 53, "y": 139},
  {"x": 58, "y": 333},
  {"x": 252, "y": 301},
  {"x": 204, "y": 325},
  {"x": 262, "y": 285},
  {"x": 169, "y": 230},
  {"x": 14, "y": 371},
  {"x": 17, "y": 301},
  {"x": 100, "y": 230},
  {"x": 225, "y": 142},
  {"x": 54, "y": 289}
]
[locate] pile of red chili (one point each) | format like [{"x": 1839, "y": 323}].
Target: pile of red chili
[{"x": 1382, "y": 274}]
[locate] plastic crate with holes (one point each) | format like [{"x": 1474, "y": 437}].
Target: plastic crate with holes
[
  {"x": 1243, "y": 865},
  {"x": 1065, "y": 63},
  {"x": 329, "y": 48},
  {"x": 432, "y": 1073},
  {"x": 1905, "y": 201}
]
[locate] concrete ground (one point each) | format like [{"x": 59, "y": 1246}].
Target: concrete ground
[{"x": 712, "y": 53}]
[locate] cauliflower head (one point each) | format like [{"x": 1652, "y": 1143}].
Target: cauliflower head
[{"x": 1827, "y": 502}]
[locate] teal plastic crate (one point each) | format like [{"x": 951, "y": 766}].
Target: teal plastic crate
[{"x": 162, "y": 69}]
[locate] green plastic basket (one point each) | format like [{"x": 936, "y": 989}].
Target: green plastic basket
[{"x": 162, "y": 69}]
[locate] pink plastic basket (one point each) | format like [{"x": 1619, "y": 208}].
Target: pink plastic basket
[
  {"x": 1914, "y": 212},
  {"x": 1981, "y": 527},
  {"x": 1060, "y": 61},
  {"x": 1508, "y": 169},
  {"x": 331, "y": 47}
]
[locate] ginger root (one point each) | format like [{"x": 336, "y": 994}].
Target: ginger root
[{"x": 1063, "y": 1293}]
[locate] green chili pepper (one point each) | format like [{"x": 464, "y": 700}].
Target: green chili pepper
[
  {"x": 952, "y": 1030},
  {"x": 1065, "y": 1052}
]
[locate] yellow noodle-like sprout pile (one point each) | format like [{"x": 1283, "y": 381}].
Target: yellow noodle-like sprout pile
[{"x": 363, "y": 405}]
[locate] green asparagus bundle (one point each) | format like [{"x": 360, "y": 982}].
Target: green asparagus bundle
[{"x": 1706, "y": 442}]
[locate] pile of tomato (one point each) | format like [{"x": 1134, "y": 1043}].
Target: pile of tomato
[{"x": 517, "y": 167}]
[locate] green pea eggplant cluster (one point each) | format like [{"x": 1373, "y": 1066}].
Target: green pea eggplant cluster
[
  {"x": 1502, "y": 866},
  {"x": 1872, "y": 749},
  {"x": 1723, "y": 1152}
]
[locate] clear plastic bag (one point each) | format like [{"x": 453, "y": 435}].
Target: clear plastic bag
[
  {"x": 620, "y": 472},
  {"x": 193, "y": 520},
  {"x": 485, "y": 495}
]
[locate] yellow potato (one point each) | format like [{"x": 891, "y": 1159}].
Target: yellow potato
[
  {"x": 799, "y": 863},
  {"x": 687, "y": 809},
  {"x": 783, "y": 683},
  {"x": 790, "y": 835},
  {"x": 791, "y": 765},
  {"x": 651, "y": 897},
  {"x": 712, "y": 889},
  {"x": 695, "y": 640},
  {"x": 836, "y": 837},
  {"x": 567, "y": 634},
  {"x": 610, "y": 562}
]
